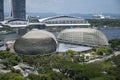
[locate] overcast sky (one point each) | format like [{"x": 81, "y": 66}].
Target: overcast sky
[{"x": 70, "y": 6}]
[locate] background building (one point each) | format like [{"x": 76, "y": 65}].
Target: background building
[
  {"x": 64, "y": 21},
  {"x": 1, "y": 10},
  {"x": 18, "y": 9}
]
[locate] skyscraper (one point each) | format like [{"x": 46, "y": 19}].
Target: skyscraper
[
  {"x": 18, "y": 9},
  {"x": 1, "y": 10}
]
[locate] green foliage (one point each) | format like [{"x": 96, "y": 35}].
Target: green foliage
[
  {"x": 106, "y": 65},
  {"x": 93, "y": 71},
  {"x": 104, "y": 78},
  {"x": 40, "y": 61},
  {"x": 73, "y": 69},
  {"x": 34, "y": 77},
  {"x": 76, "y": 59},
  {"x": 82, "y": 57},
  {"x": 57, "y": 76},
  {"x": 104, "y": 51},
  {"x": 118, "y": 47},
  {"x": 9, "y": 59},
  {"x": 115, "y": 44},
  {"x": 70, "y": 69},
  {"x": 36, "y": 61},
  {"x": 12, "y": 76},
  {"x": 104, "y": 22},
  {"x": 72, "y": 56},
  {"x": 114, "y": 72},
  {"x": 71, "y": 53},
  {"x": 45, "y": 69},
  {"x": 48, "y": 76},
  {"x": 115, "y": 60}
]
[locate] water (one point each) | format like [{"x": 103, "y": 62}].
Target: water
[
  {"x": 111, "y": 33},
  {"x": 7, "y": 37}
]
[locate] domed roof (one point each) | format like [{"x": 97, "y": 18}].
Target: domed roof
[
  {"x": 83, "y": 36},
  {"x": 36, "y": 42},
  {"x": 35, "y": 33}
]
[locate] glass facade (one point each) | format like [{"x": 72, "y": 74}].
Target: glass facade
[
  {"x": 18, "y": 10},
  {"x": 1, "y": 10}
]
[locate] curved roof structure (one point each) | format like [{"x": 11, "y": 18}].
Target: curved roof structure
[
  {"x": 15, "y": 22},
  {"x": 57, "y": 17},
  {"x": 36, "y": 42},
  {"x": 83, "y": 36},
  {"x": 64, "y": 21}
]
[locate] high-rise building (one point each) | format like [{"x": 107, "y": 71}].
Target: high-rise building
[
  {"x": 1, "y": 10},
  {"x": 18, "y": 9}
]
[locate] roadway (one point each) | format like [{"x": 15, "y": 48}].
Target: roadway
[
  {"x": 116, "y": 53},
  {"x": 30, "y": 24}
]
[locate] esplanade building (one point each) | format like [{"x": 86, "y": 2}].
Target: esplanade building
[
  {"x": 36, "y": 42},
  {"x": 83, "y": 36}
]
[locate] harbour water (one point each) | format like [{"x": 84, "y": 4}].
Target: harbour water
[{"x": 111, "y": 33}]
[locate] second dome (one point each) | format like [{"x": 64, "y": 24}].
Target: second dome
[{"x": 83, "y": 36}]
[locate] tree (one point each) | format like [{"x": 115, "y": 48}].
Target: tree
[
  {"x": 104, "y": 51},
  {"x": 118, "y": 47},
  {"x": 115, "y": 44},
  {"x": 34, "y": 77},
  {"x": 71, "y": 53},
  {"x": 9, "y": 59},
  {"x": 12, "y": 76},
  {"x": 77, "y": 71}
]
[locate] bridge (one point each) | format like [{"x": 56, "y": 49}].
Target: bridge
[{"x": 50, "y": 21}]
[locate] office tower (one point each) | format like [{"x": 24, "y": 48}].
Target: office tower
[
  {"x": 18, "y": 9},
  {"x": 1, "y": 10}
]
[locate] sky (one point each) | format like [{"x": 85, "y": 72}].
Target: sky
[{"x": 70, "y": 6}]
